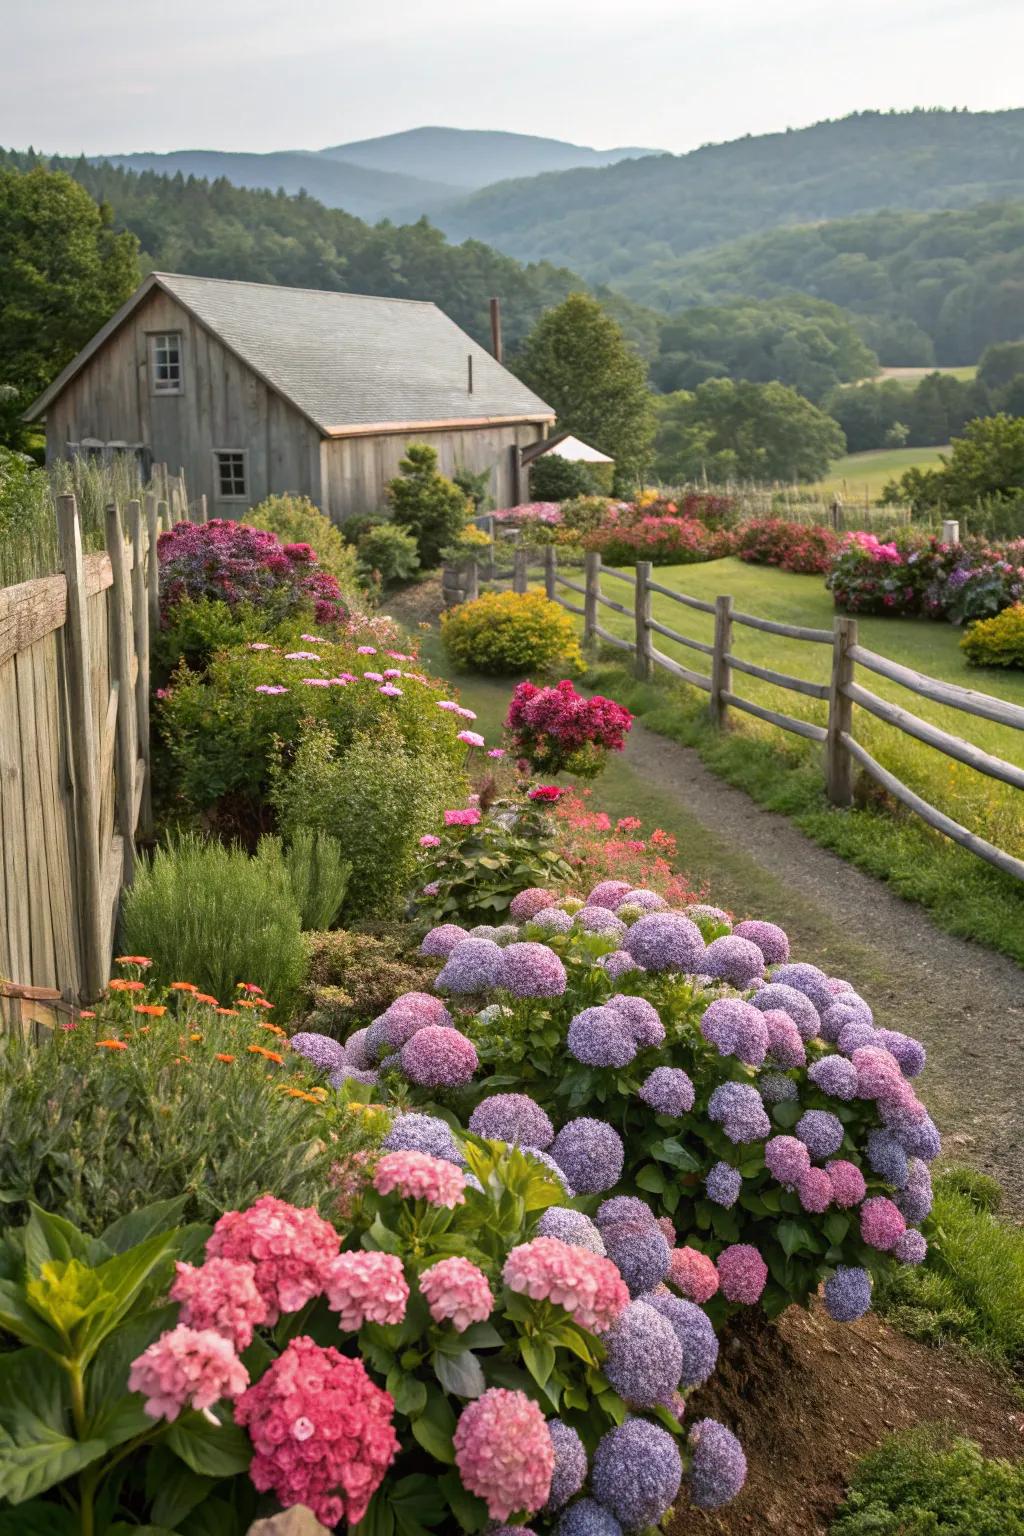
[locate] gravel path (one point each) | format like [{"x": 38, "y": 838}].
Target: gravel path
[{"x": 964, "y": 1002}]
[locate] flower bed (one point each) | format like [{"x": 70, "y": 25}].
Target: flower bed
[
  {"x": 239, "y": 564},
  {"x": 806, "y": 548},
  {"x": 667, "y": 540},
  {"x": 914, "y": 574}
]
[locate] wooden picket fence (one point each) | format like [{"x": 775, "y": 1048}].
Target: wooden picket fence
[{"x": 843, "y": 753}]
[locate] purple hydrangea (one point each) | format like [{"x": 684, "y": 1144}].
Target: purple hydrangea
[
  {"x": 526, "y": 904},
  {"x": 693, "y": 1329},
  {"x": 637, "y": 1472},
  {"x": 624, "y": 1208},
  {"x": 608, "y": 894},
  {"x": 815, "y": 1191},
  {"x": 714, "y": 917},
  {"x": 349, "y": 1074},
  {"x": 800, "y": 1008},
  {"x": 736, "y": 1029},
  {"x": 915, "y": 1198},
  {"x": 321, "y": 1051},
  {"x": 552, "y": 920},
  {"x": 784, "y": 1043},
  {"x": 440, "y": 941},
  {"x": 887, "y": 1158},
  {"x": 599, "y": 1037},
  {"x": 640, "y": 1252},
  {"x": 356, "y": 1049},
  {"x": 375, "y": 1042},
  {"x": 911, "y": 1248},
  {"x": 808, "y": 980},
  {"x": 882, "y": 1223},
  {"x": 668, "y": 1091},
  {"x": 737, "y": 1107},
  {"x": 644, "y": 1358},
  {"x": 438, "y": 1058},
  {"x": 617, "y": 964},
  {"x": 410, "y": 1012},
  {"x": 770, "y": 940},
  {"x": 723, "y": 1184},
  {"x": 531, "y": 970},
  {"x": 787, "y": 1159},
  {"x": 847, "y": 1009},
  {"x": 644, "y": 1022},
  {"x": 590, "y": 1154},
  {"x": 734, "y": 959},
  {"x": 821, "y": 1132},
  {"x": 512, "y": 1117},
  {"x": 647, "y": 901},
  {"x": 835, "y": 1076},
  {"x": 719, "y": 1468},
  {"x": 587, "y": 1518},
  {"x": 571, "y": 1227},
  {"x": 855, "y": 1036},
  {"x": 423, "y": 1133},
  {"x": 473, "y": 966},
  {"x": 666, "y": 941},
  {"x": 910, "y": 1054},
  {"x": 593, "y": 919},
  {"x": 570, "y": 1470},
  {"x": 848, "y": 1294},
  {"x": 777, "y": 1088},
  {"x": 918, "y": 1138}
]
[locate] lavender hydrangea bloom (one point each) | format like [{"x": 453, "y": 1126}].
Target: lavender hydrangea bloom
[
  {"x": 375, "y": 1040},
  {"x": 410, "y": 1012},
  {"x": 784, "y": 1043},
  {"x": 531, "y": 970},
  {"x": 846, "y": 1009},
  {"x": 599, "y": 1037},
  {"x": 645, "y": 1359},
  {"x": 625, "y": 1208},
  {"x": 512, "y": 1117},
  {"x": 821, "y": 1132},
  {"x": 834, "y": 1075},
  {"x": 571, "y": 1227},
  {"x": 737, "y": 1107},
  {"x": 800, "y": 1008},
  {"x": 712, "y": 917},
  {"x": 356, "y": 1050},
  {"x": 647, "y": 901},
  {"x": 608, "y": 894},
  {"x": 666, "y": 941},
  {"x": 482, "y": 931},
  {"x": 637, "y": 1471},
  {"x": 570, "y": 1470},
  {"x": 719, "y": 1467},
  {"x": 438, "y": 1058},
  {"x": 848, "y": 1294},
  {"x": 642, "y": 1018},
  {"x": 505, "y": 933},
  {"x": 723, "y": 1184},
  {"x": 770, "y": 940},
  {"x": 693, "y": 1329},
  {"x": 736, "y": 1029},
  {"x": 787, "y": 1159},
  {"x": 911, "y": 1248},
  {"x": 918, "y": 1138},
  {"x": 887, "y": 1158},
  {"x": 552, "y": 920},
  {"x": 618, "y": 963},
  {"x": 808, "y": 980},
  {"x": 668, "y": 1091},
  {"x": 473, "y": 966},
  {"x": 640, "y": 1252},
  {"x": 734, "y": 959},
  {"x": 423, "y": 1133},
  {"x": 593, "y": 919},
  {"x": 910, "y": 1054},
  {"x": 590, "y": 1154},
  {"x": 347, "y": 1074},
  {"x": 587, "y": 1518},
  {"x": 915, "y": 1198},
  {"x": 442, "y": 940},
  {"x": 855, "y": 1036},
  {"x": 321, "y": 1051},
  {"x": 777, "y": 1088}
]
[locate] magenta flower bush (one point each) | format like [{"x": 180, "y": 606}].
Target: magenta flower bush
[{"x": 236, "y": 564}]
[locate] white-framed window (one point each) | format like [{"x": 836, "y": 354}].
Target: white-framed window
[
  {"x": 166, "y": 370},
  {"x": 230, "y": 480}
]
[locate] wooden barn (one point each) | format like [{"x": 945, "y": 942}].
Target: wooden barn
[{"x": 255, "y": 390}]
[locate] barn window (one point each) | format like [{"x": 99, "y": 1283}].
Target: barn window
[
  {"x": 165, "y": 363},
  {"x": 230, "y": 464}
]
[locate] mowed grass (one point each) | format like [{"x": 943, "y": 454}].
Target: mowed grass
[
  {"x": 965, "y": 372},
  {"x": 862, "y": 477}
]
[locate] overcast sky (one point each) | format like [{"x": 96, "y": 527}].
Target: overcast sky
[{"x": 108, "y": 75}]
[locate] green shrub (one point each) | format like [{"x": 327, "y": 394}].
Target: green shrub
[
  {"x": 511, "y": 632},
  {"x": 556, "y": 479},
  {"x": 195, "y": 629},
  {"x": 432, "y": 508},
  {"x": 389, "y": 553},
  {"x": 319, "y": 876},
  {"x": 296, "y": 520},
  {"x": 352, "y": 977},
  {"x": 213, "y": 915},
  {"x": 923, "y": 1483},
  {"x": 377, "y": 797},
  {"x": 997, "y": 642}
]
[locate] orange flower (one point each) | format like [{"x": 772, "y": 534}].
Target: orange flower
[
  {"x": 231, "y": 1013},
  {"x": 156, "y": 1010},
  {"x": 261, "y": 1050},
  {"x": 133, "y": 960},
  {"x": 195, "y": 1037},
  {"x": 144, "y": 1030},
  {"x": 204, "y": 997},
  {"x": 180, "y": 1061},
  {"x": 298, "y": 1093},
  {"x": 86, "y": 1013},
  {"x": 125, "y": 986},
  {"x": 275, "y": 1029},
  {"x": 184, "y": 986},
  {"x": 261, "y": 1002},
  {"x": 224, "y": 1056},
  {"x": 248, "y": 986},
  {"x": 111, "y": 1045},
  {"x": 243, "y": 1002}
]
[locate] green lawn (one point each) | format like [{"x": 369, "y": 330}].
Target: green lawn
[
  {"x": 912, "y": 376},
  {"x": 861, "y": 477}
]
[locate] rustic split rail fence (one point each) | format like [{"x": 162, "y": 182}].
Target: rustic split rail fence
[{"x": 843, "y": 753}]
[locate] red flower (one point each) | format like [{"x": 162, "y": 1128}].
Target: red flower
[{"x": 546, "y": 792}]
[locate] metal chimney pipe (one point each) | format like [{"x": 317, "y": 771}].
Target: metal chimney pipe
[
  {"x": 469, "y": 372},
  {"x": 496, "y": 346}
]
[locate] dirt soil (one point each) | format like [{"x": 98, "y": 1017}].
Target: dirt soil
[{"x": 811, "y": 1396}]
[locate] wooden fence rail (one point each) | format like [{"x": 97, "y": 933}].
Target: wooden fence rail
[{"x": 842, "y": 751}]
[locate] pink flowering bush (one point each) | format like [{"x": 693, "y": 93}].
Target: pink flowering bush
[
  {"x": 237, "y": 564},
  {"x": 187, "y": 1368},
  {"x": 504, "y": 1453},
  {"x": 290, "y": 1251},
  {"x": 557, "y": 730},
  {"x": 801, "y": 547},
  {"x": 457, "y": 1291}
]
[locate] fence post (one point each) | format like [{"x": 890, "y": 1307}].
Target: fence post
[
  {"x": 642, "y": 611},
  {"x": 121, "y": 631},
  {"x": 84, "y": 752},
  {"x": 550, "y": 572},
  {"x": 721, "y": 671},
  {"x": 163, "y": 516},
  {"x": 203, "y": 515},
  {"x": 488, "y": 527},
  {"x": 592, "y": 584},
  {"x": 472, "y": 591},
  {"x": 838, "y": 761},
  {"x": 152, "y": 563},
  {"x": 140, "y": 622},
  {"x": 520, "y": 561}
]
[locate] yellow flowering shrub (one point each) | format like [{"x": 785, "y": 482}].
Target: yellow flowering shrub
[
  {"x": 997, "y": 642},
  {"x": 511, "y": 632}
]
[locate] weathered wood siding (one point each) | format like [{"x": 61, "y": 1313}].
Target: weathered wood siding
[
  {"x": 356, "y": 470},
  {"x": 224, "y": 405}
]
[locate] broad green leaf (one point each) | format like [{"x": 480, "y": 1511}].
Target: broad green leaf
[
  {"x": 794, "y": 1236},
  {"x": 123, "y": 1278},
  {"x": 435, "y": 1426},
  {"x": 106, "y": 1387},
  {"x": 836, "y": 1227},
  {"x": 469, "y": 1511},
  {"x": 17, "y": 1317},
  {"x": 460, "y": 1374},
  {"x": 64, "y": 1292},
  {"x": 179, "y": 1492},
  {"x": 36, "y": 1450},
  {"x": 539, "y": 1359},
  {"x": 671, "y": 1151},
  {"x": 787, "y": 1114},
  {"x": 127, "y": 1231},
  {"x": 48, "y": 1237},
  {"x": 480, "y": 1336},
  {"x": 378, "y": 1520},
  {"x": 652, "y": 1179},
  {"x": 38, "y": 1518},
  {"x": 381, "y": 1237},
  {"x": 419, "y": 1496},
  {"x": 409, "y": 1394},
  {"x": 220, "y": 1450}
]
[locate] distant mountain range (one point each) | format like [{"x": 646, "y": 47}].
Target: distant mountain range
[{"x": 400, "y": 176}]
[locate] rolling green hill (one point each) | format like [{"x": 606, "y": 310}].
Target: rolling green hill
[{"x": 472, "y": 158}]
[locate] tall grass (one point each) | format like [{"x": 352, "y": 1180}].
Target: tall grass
[
  {"x": 319, "y": 874},
  {"x": 28, "y": 515}
]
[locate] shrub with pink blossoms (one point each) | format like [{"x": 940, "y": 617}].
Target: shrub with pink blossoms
[
  {"x": 418, "y": 1176},
  {"x": 457, "y": 1291},
  {"x": 588, "y": 1286},
  {"x": 557, "y": 730},
  {"x": 222, "y": 1295},
  {"x": 366, "y": 1288},
  {"x": 504, "y": 1453},
  {"x": 236, "y": 564},
  {"x": 289, "y": 1249},
  {"x": 187, "y": 1368}
]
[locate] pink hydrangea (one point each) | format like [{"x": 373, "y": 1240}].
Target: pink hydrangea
[
  {"x": 187, "y": 1368},
  {"x": 288, "y": 1247},
  {"x": 471, "y": 738},
  {"x": 430, "y": 841},
  {"x": 693, "y": 1273},
  {"x": 815, "y": 1190},
  {"x": 585, "y": 1284},
  {"x": 882, "y": 1223},
  {"x": 848, "y": 1186},
  {"x": 504, "y": 1453},
  {"x": 221, "y": 1295},
  {"x": 608, "y": 893},
  {"x": 322, "y": 1432},
  {"x": 458, "y": 1291},
  {"x": 529, "y": 902},
  {"x": 742, "y": 1273},
  {"x": 785, "y": 1044},
  {"x": 366, "y": 1288},
  {"x": 437, "y": 1057},
  {"x": 418, "y": 1176},
  {"x": 468, "y": 818}
]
